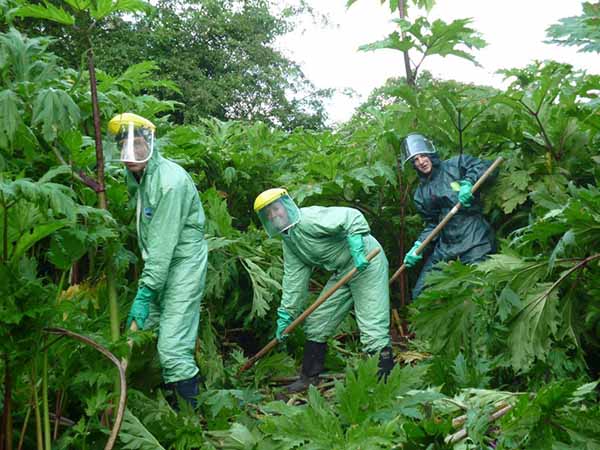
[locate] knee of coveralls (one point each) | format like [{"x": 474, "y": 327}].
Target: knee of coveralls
[
  {"x": 371, "y": 299},
  {"x": 477, "y": 254},
  {"x": 324, "y": 320},
  {"x": 180, "y": 318}
]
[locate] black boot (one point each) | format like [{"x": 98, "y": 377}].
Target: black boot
[
  {"x": 187, "y": 390},
  {"x": 386, "y": 363},
  {"x": 313, "y": 364}
]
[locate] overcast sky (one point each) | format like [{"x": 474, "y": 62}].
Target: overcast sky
[{"x": 514, "y": 30}]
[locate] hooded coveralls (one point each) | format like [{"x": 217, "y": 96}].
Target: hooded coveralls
[
  {"x": 319, "y": 240},
  {"x": 170, "y": 229},
  {"x": 467, "y": 236}
]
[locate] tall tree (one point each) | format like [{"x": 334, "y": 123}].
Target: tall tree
[{"x": 220, "y": 53}]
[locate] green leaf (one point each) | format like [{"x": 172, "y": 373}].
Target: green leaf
[
  {"x": 508, "y": 301},
  {"x": 79, "y": 5},
  {"x": 264, "y": 287},
  {"x": 136, "y": 436},
  {"x": 131, "y": 6},
  {"x": 54, "y": 172},
  {"x": 66, "y": 247},
  {"x": 30, "y": 238},
  {"x": 10, "y": 116},
  {"x": 103, "y": 8},
  {"x": 579, "y": 31},
  {"x": 55, "y": 110},
  {"x": 532, "y": 327},
  {"x": 48, "y": 12},
  {"x": 392, "y": 42}
]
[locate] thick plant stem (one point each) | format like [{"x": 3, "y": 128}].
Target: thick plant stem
[
  {"x": 111, "y": 287},
  {"x": 410, "y": 76},
  {"x": 110, "y": 279},
  {"x": 60, "y": 396},
  {"x": 6, "y": 433},
  {"x": 36, "y": 409},
  {"x": 97, "y": 130},
  {"x": 24, "y": 429},
  {"x": 47, "y": 430},
  {"x": 4, "y": 230}
]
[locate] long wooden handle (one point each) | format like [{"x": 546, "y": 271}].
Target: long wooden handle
[
  {"x": 342, "y": 281},
  {"x": 449, "y": 216}
]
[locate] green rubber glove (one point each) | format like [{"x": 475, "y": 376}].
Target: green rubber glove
[
  {"x": 283, "y": 320},
  {"x": 140, "y": 309},
  {"x": 464, "y": 194},
  {"x": 411, "y": 258},
  {"x": 357, "y": 250}
]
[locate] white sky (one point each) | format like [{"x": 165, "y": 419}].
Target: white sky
[{"x": 514, "y": 30}]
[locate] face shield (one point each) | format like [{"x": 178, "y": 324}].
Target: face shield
[
  {"x": 279, "y": 215},
  {"x": 136, "y": 143},
  {"x": 416, "y": 144},
  {"x": 133, "y": 137}
]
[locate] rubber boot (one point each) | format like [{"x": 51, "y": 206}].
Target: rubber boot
[
  {"x": 386, "y": 363},
  {"x": 313, "y": 364},
  {"x": 187, "y": 390}
]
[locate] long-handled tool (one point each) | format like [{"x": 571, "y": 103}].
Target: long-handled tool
[
  {"x": 342, "y": 281},
  {"x": 449, "y": 216}
]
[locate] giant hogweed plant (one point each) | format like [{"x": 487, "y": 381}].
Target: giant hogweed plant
[{"x": 533, "y": 307}]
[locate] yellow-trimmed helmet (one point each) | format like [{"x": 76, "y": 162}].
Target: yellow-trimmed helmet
[
  {"x": 276, "y": 211},
  {"x": 134, "y": 135}
]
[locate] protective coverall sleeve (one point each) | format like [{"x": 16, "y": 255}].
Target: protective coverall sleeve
[
  {"x": 340, "y": 221},
  {"x": 473, "y": 168},
  {"x": 163, "y": 235},
  {"x": 430, "y": 217},
  {"x": 296, "y": 275}
]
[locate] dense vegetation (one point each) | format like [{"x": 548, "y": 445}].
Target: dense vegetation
[{"x": 519, "y": 333}]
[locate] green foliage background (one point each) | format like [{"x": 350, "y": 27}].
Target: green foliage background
[{"x": 521, "y": 328}]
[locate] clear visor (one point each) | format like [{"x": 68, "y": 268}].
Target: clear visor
[
  {"x": 136, "y": 143},
  {"x": 414, "y": 145},
  {"x": 279, "y": 216}
]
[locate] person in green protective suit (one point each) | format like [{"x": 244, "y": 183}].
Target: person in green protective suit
[
  {"x": 467, "y": 237},
  {"x": 336, "y": 239},
  {"x": 170, "y": 228}
]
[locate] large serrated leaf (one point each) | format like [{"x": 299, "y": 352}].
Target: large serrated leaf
[
  {"x": 136, "y": 436},
  {"x": 533, "y": 326},
  {"x": 54, "y": 109},
  {"x": 9, "y": 116},
  {"x": 48, "y": 12}
]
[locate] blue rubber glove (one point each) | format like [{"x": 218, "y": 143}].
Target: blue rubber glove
[
  {"x": 411, "y": 258},
  {"x": 283, "y": 320},
  {"x": 357, "y": 250},
  {"x": 464, "y": 194},
  {"x": 140, "y": 309}
]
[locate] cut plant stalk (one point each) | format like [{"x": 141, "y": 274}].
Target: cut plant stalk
[
  {"x": 291, "y": 327},
  {"x": 463, "y": 432},
  {"x": 449, "y": 216}
]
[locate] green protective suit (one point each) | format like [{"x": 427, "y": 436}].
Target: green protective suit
[
  {"x": 170, "y": 229},
  {"x": 319, "y": 240},
  {"x": 467, "y": 236}
]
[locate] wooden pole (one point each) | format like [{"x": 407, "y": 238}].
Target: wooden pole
[{"x": 449, "y": 216}]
